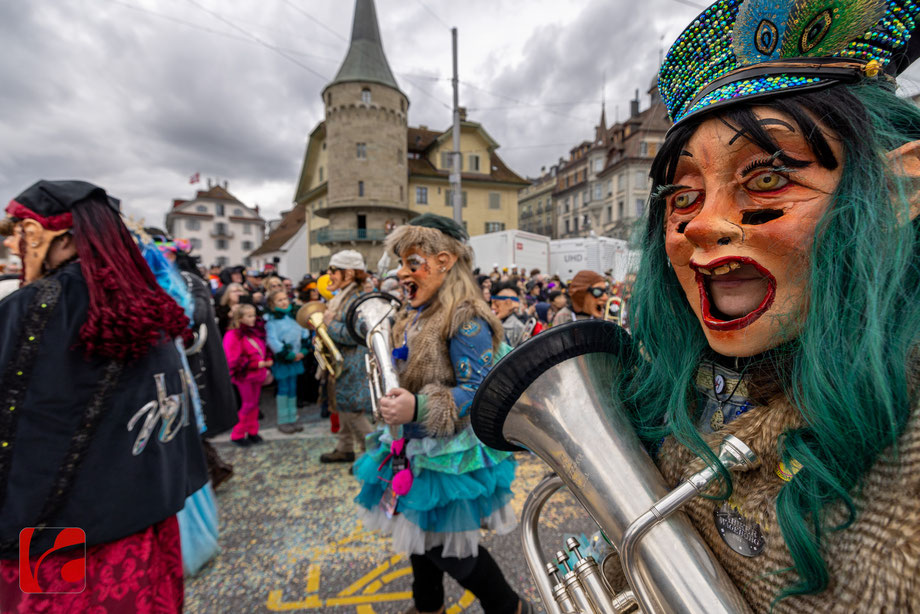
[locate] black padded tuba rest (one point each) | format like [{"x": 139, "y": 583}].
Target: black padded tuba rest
[{"x": 514, "y": 373}]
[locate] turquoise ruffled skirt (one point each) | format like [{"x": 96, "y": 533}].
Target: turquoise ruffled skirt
[{"x": 459, "y": 486}]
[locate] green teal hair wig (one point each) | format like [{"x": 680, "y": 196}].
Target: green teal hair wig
[{"x": 848, "y": 370}]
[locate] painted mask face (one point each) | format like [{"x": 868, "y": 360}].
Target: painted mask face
[
  {"x": 339, "y": 278},
  {"x": 420, "y": 276},
  {"x": 594, "y": 305},
  {"x": 739, "y": 227},
  {"x": 504, "y": 303}
]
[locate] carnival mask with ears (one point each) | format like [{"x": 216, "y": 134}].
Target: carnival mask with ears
[
  {"x": 35, "y": 241},
  {"x": 739, "y": 227}
]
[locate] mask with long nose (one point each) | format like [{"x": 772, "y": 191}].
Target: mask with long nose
[{"x": 739, "y": 226}]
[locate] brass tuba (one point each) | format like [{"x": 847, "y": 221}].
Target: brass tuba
[
  {"x": 555, "y": 396},
  {"x": 327, "y": 355},
  {"x": 369, "y": 320}
]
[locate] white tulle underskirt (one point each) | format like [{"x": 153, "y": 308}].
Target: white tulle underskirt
[{"x": 409, "y": 538}]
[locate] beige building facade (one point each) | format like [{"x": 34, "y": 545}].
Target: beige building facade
[
  {"x": 535, "y": 205},
  {"x": 603, "y": 187}
]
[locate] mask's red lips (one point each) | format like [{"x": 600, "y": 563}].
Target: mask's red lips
[{"x": 709, "y": 319}]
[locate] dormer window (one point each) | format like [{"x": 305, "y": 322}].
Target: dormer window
[{"x": 366, "y": 96}]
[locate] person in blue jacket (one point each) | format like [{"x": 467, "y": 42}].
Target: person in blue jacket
[{"x": 285, "y": 338}]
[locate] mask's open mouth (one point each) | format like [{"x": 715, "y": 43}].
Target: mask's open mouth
[
  {"x": 411, "y": 289},
  {"x": 734, "y": 292}
]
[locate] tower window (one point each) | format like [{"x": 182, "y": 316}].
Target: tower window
[
  {"x": 360, "y": 188},
  {"x": 366, "y": 96},
  {"x": 329, "y": 99},
  {"x": 362, "y": 151}
]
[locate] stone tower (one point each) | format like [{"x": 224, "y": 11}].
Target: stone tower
[{"x": 366, "y": 135}]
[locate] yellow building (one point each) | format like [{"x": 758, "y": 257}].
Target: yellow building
[
  {"x": 366, "y": 171},
  {"x": 488, "y": 186}
]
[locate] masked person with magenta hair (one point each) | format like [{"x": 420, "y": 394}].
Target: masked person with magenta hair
[
  {"x": 780, "y": 290},
  {"x": 445, "y": 342},
  {"x": 96, "y": 428}
]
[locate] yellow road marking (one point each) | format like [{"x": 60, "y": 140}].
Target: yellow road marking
[
  {"x": 313, "y": 578},
  {"x": 466, "y": 599},
  {"x": 403, "y": 571},
  {"x": 365, "y": 609},
  {"x": 275, "y": 604},
  {"x": 370, "y": 576},
  {"x": 358, "y": 599}
]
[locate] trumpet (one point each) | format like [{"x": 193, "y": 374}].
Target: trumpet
[
  {"x": 368, "y": 321},
  {"x": 328, "y": 356},
  {"x": 555, "y": 396}
]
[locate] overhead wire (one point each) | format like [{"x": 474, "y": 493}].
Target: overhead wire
[
  {"x": 433, "y": 14},
  {"x": 265, "y": 44},
  {"x": 315, "y": 20},
  {"x": 231, "y": 36}
]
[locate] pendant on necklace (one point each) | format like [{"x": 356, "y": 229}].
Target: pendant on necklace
[
  {"x": 741, "y": 534},
  {"x": 718, "y": 384},
  {"x": 717, "y": 420}
]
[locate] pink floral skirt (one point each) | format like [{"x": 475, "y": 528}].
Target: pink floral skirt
[{"x": 141, "y": 573}]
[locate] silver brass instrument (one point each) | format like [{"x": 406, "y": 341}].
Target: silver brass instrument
[
  {"x": 328, "y": 356},
  {"x": 555, "y": 396},
  {"x": 529, "y": 327},
  {"x": 369, "y": 320}
]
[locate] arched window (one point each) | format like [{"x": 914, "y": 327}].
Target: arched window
[{"x": 366, "y": 95}]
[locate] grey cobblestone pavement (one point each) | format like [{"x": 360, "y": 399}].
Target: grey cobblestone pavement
[{"x": 291, "y": 540}]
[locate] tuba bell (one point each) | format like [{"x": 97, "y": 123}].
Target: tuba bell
[
  {"x": 368, "y": 321},
  {"x": 330, "y": 359},
  {"x": 556, "y": 396}
]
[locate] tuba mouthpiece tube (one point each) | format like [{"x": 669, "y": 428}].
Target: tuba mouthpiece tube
[{"x": 732, "y": 453}]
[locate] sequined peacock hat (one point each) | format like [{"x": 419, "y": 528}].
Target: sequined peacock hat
[{"x": 749, "y": 49}]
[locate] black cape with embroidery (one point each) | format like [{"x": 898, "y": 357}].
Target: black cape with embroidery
[{"x": 67, "y": 455}]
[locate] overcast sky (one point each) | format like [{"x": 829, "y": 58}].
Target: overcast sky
[{"x": 138, "y": 95}]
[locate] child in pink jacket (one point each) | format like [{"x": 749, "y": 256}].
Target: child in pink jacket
[{"x": 248, "y": 360}]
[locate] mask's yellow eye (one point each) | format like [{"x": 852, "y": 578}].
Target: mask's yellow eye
[
  {"x": 767, "y": 182},
  {"x": 685, "y": 199}
]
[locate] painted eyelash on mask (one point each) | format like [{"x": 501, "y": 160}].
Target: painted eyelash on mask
[
  {"x": 663, "y": 191},
  {"x": 791, "y": 165}
]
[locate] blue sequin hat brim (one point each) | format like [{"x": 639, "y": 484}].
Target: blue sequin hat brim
[{"x": 743, "y": 50}]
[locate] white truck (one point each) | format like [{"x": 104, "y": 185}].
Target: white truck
[
  {"x": 510, "y": 248},
  {"x": 598, "y": 254}
]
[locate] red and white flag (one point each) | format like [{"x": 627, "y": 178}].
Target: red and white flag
[{"x": 195, "y": 178}]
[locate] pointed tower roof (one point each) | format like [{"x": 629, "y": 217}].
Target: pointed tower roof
[
  {"x": 600, "y": 134},
  {"x": 365, "y": 60}
]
